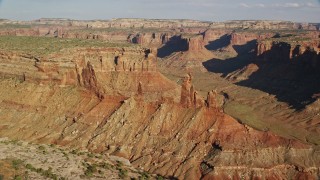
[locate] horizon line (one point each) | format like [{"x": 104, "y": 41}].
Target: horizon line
[{"x": 163, "y": 19}]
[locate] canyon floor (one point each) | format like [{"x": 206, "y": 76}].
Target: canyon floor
[{"x": 159, "y": 99}]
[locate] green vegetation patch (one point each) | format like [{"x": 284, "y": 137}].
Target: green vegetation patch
[
  {"x": 119, "y": 30},
  {"x": 40, "y": 46},
  {"x": 248, "y": 115},
  {"x": 45, "y": 173},
  {"x": 245, "y": 114},
  {"x": 17, "y": 163},
  {"x": 14, "y": 26}
]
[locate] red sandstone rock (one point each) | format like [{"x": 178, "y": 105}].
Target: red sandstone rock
[
  {"x": 215, "y": 100},
  {"x": 243, "y": 74},
  {"x": 196, "y": 43},
  {"x": 185, "y": 92},
  {"x": 89, "y": 77},
  {"x": 189, "y": 97},
  {"x": 140, "y": 88},
  {"x": 212, "y": 35},
  {"x": 245, "y": 37},
  {"x": 295, "y": 48}
]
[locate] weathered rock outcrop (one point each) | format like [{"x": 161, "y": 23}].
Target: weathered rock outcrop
[
  {"x": 160, "y": 137},
  {"x": 149, "y": 39},
  {"x": 244, "y": 73},
  {"x": 191, "y": 99},
  {"x": 284, "y": 62},
  {"x": 185, "y": 51},
  {"x": 212, "y": 35},
  {"x": 242, "y": 38},
  {"x": 196, "y": 44},
  {"x": 189, "y": 96},
  {"x": 28, "y": 68},
  {"x": 49, "y": 31},
  {"x": 113, "y": 70},
  {"x": 286, "y": 49},
  {"x": 216, "y": 100}
]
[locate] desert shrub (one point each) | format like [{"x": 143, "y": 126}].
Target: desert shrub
[
  {"x": 74, "y": 151},
  {"x": 45, "y": 173},
  {"x": 90, "y": 155},
  {"x": 16, "y": 163},
  {"x": 30, "y": 167},
  {"x": 16, "y": 142},
  {"x": 41, "y": 148},
  {"x": 5, "y": 142},
  {"x": 52, "y": 145},
  {"x": 81, "y": 153},
  {"x": 119, "y": 164},
  {"x": 123, "y": 173},
  {"x": 105, "y": 165},
  {"x": 39, "y": 170},
  {"x": 65, "y": 155},
  {"x": 91, "y": 169},
  {"x": 144, "y": 176},
  {"x": 49, "y": 174},
  {"x": 17, "y": 177}
]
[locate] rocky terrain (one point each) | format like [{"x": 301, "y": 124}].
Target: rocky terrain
[
  {"x": 178, "y": 98},
  {"x": 22, "y": 160}
]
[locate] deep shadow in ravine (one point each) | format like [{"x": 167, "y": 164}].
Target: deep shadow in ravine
[
  {"x": 246, "y": 55},
  {"x": 292, "y": 80}
]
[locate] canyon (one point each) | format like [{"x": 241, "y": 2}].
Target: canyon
[{"x": 179, "y": 99}]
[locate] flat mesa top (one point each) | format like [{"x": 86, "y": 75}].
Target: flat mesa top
[{"x": 47, "y": 45}]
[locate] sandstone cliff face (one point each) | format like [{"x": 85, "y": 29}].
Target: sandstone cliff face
[
  {"x": 30, "y": 69},
  {"x": 185, "y": 52},
  {"x": 244, "y": 37},
  {"x": 161, "y": 137},
  {"x": 212, "y": 35},
  {"x": 216, "y": 100},
  {"x": 241, "y": 38},
  {"x": 283, "y": 63},
  {"x": 149, "y": 39},
  {"x": 112, "y": 70},
  {"x": 189, "y": 96},
  {"x": 196, "y": 44},
  {"x": 191, "y": 99},
  {"x": 50, "y": 31},
  {"x": 286, "y": 50}
]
